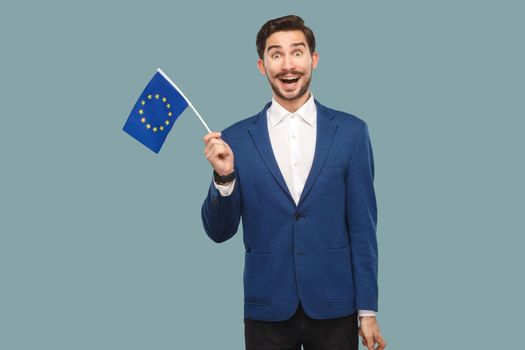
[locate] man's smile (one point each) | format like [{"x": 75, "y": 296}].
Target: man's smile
[{"x": 289, "y": 82}]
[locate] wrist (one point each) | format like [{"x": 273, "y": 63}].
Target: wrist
[
  {"x": 367, "y": 318},
  {"x": 223, "y": 179}
]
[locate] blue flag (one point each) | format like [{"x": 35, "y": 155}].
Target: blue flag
[{"x": 155, "y": 112}]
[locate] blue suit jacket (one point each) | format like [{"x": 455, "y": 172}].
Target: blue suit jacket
[{"x": 322, "y": 251}]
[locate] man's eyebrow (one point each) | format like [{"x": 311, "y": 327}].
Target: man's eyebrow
[
  {"x": 279, "y": 46},
  {"x": 298, "y": 44}
]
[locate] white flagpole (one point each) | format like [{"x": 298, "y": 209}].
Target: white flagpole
[{"x": 180, "y": 92}]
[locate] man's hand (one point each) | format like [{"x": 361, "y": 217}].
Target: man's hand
[
  {"x": 218, "y": 153},
  {"x": 369, "y": 331}
]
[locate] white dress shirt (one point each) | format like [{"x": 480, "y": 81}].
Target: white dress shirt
[{"x": 293, "y": 138}]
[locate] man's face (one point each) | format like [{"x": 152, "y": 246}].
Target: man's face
[{"x": 288, "y": 64}]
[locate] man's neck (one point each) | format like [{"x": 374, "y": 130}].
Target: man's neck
[{"x": 292, "y": 105}]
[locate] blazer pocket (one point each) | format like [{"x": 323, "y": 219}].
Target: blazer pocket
[
  {"x": 339, "y": 282},
  {"x": 335, "y": 168},
  {"x": 256, "y": 278}
]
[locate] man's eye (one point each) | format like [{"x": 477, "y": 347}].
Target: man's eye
[
  {"x": 298, "y": 53},
  {"x": 275, "y": 55}
]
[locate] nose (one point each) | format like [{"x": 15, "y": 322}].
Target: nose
[{"x": 288, "y": 63}]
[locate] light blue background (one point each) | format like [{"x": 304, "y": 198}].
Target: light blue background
[{"x": 101, "y": 243}]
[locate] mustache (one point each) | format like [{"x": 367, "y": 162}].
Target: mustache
[{"x": 282, "y": 75}]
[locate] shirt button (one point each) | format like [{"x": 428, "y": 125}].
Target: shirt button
[
  {"x": 295, "y": 164},
  {"x": 293, "y": 136}
]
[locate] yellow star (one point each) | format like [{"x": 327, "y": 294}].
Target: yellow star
[
  {"x": 164, "y": 99},
  {"x": 143, "y": 119},
  {"x": 141, "y": 111},
  {"x": 169, "y": 114},
  {"x": 148, "y": 126},
  {"x": 168, "y": 105},
  {"x": 155, "y": 129},
  {"x": 161, "y": 128},
  {"x": 143, "y": 102},
  {"x": 157, "y": 96},
  {"x": 167, "y": 122},
  {"x": 149, "y": 97}
]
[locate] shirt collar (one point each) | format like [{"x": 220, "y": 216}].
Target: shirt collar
[{"x": 276, "y": 112}]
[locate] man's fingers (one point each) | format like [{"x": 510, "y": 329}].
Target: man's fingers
[
  {"x": 211, "y": 134},
  {"x": 371, "y": 335},
  {"x": 208, "y": 136},
  {"x": 370, "y": 343},
  {"x": 216, "y": 142},
  {"x": 381, "y": 342},
  {"x": 215, "y": 147},
  {"x": 228, "y": 147}
]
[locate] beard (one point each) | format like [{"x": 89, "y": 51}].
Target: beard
[{"x": 302, "y": 90}]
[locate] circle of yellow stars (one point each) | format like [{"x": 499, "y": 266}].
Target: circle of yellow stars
[{"x": 143, "y": 118}]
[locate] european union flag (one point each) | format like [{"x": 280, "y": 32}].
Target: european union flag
[{"x": 155, "y": 112}]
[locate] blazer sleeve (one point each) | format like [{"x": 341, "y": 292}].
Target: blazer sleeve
[
  {"x": 221, "y": 214},
  {"x": 362, "y": 220}
]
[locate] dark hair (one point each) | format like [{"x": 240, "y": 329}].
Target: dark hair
[{"x": 286, "y": 23}]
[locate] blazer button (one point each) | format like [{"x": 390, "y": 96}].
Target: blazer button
[{"x": 297, "y": 216}]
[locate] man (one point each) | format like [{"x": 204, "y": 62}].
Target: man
[{"x": 301, "y": 177}]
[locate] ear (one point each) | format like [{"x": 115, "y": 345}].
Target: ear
[
  {"x": 260, "y": 65},
  {"x": 315, "y": 59}
]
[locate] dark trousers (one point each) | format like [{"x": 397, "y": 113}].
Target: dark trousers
[{"x": 330, "y": 334}]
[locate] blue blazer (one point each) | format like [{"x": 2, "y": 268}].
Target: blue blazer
[{"x": 321, "y": 252}]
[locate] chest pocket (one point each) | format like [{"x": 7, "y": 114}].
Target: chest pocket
[{"x": 337, "y": 168}]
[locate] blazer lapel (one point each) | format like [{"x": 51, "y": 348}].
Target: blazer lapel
[
  {"x": 261, "y": 138},
  {"x": 325, "y": 134}
]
